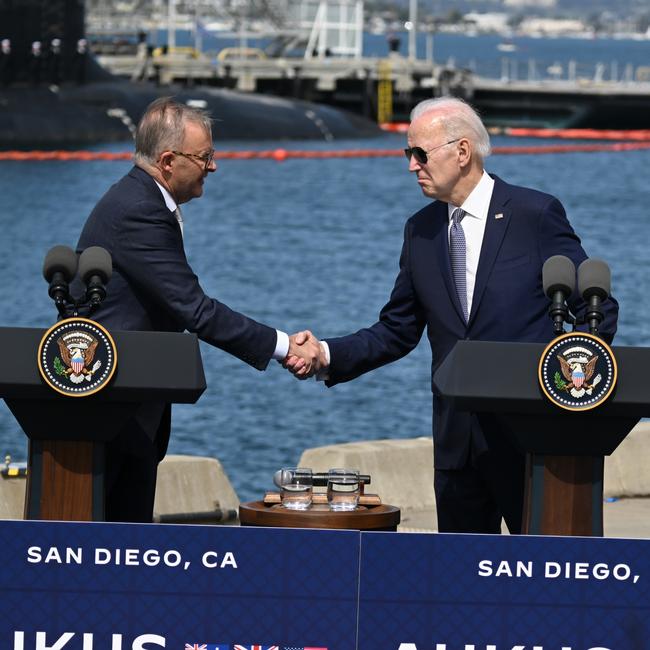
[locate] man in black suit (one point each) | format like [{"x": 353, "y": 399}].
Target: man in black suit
[
  {"x": 493, "y": 291},
  {"x": 153, "y": 288}
]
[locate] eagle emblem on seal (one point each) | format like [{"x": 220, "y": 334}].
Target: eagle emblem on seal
[
  {"x": 577, "y": 371},
  {"x": 77, "y": 350},
  {"x": 578, "y": 366}
]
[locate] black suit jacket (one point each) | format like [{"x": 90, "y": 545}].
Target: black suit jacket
[
  {"x": 153, "y": 288},
  {"x": 524, "y": 228}
]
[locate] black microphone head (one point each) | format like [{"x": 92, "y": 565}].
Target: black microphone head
[
  {"x": 558, "y": 274},
  {"x": 95, "y": 260},
  {"x": 594, "y": 279},
  {"x": 60, "y": 259}
]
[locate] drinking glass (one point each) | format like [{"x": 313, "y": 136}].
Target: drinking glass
[
  {"x": 296, "y": 487},
  {"x": 343, "y": 489}
]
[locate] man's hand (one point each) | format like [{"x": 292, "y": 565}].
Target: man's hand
[{"x": 306, "y": 356}]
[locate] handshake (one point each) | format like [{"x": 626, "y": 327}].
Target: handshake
[{"x": 306, "y": 356}]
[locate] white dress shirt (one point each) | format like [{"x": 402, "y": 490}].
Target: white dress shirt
[
  {"x": 476, "y": 207},
  {"x": 282, "y": 342}
]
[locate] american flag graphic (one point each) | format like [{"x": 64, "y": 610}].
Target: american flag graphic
[
  {"x": 301, "y": 647},
  {"x": 578, "y": 377},
  {"x": 77, "y": 363}
]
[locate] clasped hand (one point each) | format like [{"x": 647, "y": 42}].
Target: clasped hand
[{"x": 306, "y": 356}]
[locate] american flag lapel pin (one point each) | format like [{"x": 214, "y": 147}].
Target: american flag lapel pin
[{"x": 498, "y": 215}]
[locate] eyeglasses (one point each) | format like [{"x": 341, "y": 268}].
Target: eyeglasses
[
  {"x": 420, "y": 154},
  {"x": 205, "y": 158}
]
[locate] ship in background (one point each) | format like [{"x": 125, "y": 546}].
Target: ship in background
[
  {"x": 314, "y": 50},
  {"x": 311, "y": 80},
  {"x": 54, "y": 93}
]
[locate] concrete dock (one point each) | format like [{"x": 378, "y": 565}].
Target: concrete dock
[
  {"x": 402, "y": 474},
  {"x": 195, "y": 489}
]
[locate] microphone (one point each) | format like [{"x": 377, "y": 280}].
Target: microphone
[
  {"x": 95, "y": 269},
  {"x": 559, "y": 281},
  {"x": 594, "y": 284},
  {"x": 59, "y": 267}
]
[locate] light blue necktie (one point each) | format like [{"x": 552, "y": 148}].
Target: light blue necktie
[
  {"x": 458, "y": 255},
  {"x": 179, "y": 218}
]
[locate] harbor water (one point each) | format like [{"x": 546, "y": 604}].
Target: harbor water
[
  {"x": 309, "y": 243},
  {"x": 315, "y": 243}
]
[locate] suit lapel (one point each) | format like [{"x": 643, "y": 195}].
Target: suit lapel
[
  {"x": 498, "y": 220},
  {"x": 441, "y": 243}
]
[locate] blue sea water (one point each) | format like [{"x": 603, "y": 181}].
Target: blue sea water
[
  {"x": 309, "y": 243},
  {"x": 314, "y": 243}
]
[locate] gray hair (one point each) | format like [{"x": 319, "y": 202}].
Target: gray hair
[
  {"x": 459, "y": 120},
  {"x": 162, "y": 128}
]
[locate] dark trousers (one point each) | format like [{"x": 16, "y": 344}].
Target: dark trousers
[
  {"x": 473, "y": 499},
  {"x": 130, "y": 485},
  {"x": 132, "y": 465}
]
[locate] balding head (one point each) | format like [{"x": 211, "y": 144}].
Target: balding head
[{"x": 162, "y": 128}]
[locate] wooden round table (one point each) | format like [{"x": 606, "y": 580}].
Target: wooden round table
[{"x": 381, "y": 517}]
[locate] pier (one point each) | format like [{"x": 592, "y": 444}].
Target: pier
[
  {"x": 387, "y": 88},
  {"x": 364, "y": 85}
]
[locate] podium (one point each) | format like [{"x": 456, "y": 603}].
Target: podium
[
  {"x": 564, "y": 450},
  {"x": 67, "y": 435}
]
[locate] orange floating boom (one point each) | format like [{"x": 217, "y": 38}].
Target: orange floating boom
[{"x": 281, "y": 155}]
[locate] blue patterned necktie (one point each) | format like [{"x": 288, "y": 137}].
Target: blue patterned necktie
[{"x": 458, "y": 255}]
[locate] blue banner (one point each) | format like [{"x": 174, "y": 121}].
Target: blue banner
[
  {"x": 483, "y": 592},
  {"x": 95, "y": 586},
  {"x": 98, "y": 586}
]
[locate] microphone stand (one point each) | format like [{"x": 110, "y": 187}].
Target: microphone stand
[
  {"x": 559, "y": 313},
  {"x": 594, "y": 315},
  {"x": 79, "y": 307}
]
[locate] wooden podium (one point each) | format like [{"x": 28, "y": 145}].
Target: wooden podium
[
  {"x": 67, "y": 435},
  {"x": 564, "y": 450}
]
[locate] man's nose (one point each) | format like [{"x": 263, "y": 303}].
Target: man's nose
[{"x": 414, "y": 165}]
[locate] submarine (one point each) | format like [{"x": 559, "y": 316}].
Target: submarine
[{"x": 55, "y": 95}]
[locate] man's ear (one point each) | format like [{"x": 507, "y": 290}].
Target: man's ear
[
  {"x": 165, "y": 161},
  {"x": 464, "y": 152}
]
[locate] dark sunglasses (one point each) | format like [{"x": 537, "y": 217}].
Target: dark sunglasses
[
  {"x": 205, "y": 158},
  {"x": 420, "y": 154}
]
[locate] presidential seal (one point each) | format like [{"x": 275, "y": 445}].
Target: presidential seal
[
  {"x": 577, "y": 371},
  {"x": 77, "y": 357}
]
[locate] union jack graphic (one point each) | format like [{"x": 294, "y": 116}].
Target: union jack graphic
[
  {"x": 195, "y": 646},
  {"x": 256, "y": 647}
]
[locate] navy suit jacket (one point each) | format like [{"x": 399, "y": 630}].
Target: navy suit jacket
[
  {"x": 524, "y": 228},
  {"x": 153, "y": 287}
]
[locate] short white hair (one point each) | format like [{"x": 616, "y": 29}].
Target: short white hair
[{"x": 459, "y": 120}]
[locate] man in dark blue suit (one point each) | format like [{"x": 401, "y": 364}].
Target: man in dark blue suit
[
  {"x": 470, "y": 268},
  {"x": 153, "y": 287}
]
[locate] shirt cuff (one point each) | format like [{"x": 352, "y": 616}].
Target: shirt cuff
[
  {"x": 324, "y": 375},
  {"x": 282, "y": 346}
]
